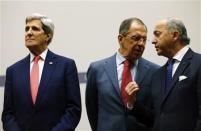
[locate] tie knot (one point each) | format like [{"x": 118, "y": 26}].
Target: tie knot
[
  {"x": 127, "y": 63},
  {"x": 171, "y": 61},
  {"x": 36, "y": 58}
]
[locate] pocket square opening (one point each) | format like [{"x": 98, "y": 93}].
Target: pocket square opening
[{"x": 182, "y": 77}]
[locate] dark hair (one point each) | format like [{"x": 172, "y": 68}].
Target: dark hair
[
  {"x": 125, "y": 25},
  {"x": 176, "y": 24}
]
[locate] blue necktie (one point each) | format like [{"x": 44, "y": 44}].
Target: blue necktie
[{"x": 168, "y": 79}]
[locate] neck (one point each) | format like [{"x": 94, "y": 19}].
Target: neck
[
  {"x": 123, "y": 53},
  {"x": 37, "y": 52},
  {"x": 176, "y": 48}
]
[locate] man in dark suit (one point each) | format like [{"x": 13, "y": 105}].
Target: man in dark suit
[
  {"x": 176, "y": 101},
  {"x": 42, "y": 94},
  {"x": 106, "y": 108}
]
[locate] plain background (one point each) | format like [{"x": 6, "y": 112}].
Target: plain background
[{"x": 87, "y": 30}]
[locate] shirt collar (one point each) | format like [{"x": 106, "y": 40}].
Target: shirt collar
[
  {"x": 42, "y": 55},
  {"x": 120, "y": 59},
  {"x": 180, "y": 54}
]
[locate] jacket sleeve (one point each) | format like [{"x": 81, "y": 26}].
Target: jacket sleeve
[
  {"x": 8, "y": 118},
  {"x": 72, "y": 115},
  {"x": 91, "y": 98},
  {"x": 143, "y": 114},
  {"x": 198, "y": 87}
]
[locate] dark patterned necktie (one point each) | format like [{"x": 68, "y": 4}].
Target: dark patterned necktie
[{"x": 168, "y": 79}]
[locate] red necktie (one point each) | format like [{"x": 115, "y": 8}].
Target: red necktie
[
  {"x": 34, "y": 78},
  {"x": 126, "y": 78}
]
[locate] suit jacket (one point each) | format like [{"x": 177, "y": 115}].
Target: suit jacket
[
  {"x": 105, "y": 108},
  {"x": 180, "y": 108},
  {"x": 58, "y": 103}
]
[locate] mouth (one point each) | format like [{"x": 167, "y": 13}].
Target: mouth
[
  {"x": 29, "y": 39},
  {"x": 156, "y": 47},
  {"x": 138, "y": 50}
]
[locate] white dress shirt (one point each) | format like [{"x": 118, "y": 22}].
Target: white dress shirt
[
  {"x": 41, "y": 62},
  {"x": 120, "y": 65},
  {"x": 178, "y": 57}
]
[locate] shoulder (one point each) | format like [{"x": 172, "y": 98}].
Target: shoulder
[
  {"x": 193, "y": 57},
  {"x": 99, "y": 66},
  {"x": 62, "y": 63},
  {"x": 102, "y": 62},
  {"x": 149, "y": 63},
  {"x": 19, "y": 63},
  {"x": 60, "y": 58},
  {"x": 197, "y": 56}
]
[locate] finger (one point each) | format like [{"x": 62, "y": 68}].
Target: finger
[
  {"x": 132, "y": 85},
  {"x": 132, "y": 91}
]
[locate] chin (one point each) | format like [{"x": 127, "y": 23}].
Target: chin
[
  {"x": 159, "y": 53},
  {"x": 136, "y": 57},
  {"x": 30, "y": 44}
]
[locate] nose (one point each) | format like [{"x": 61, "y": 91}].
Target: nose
[
  {"x": 142, "y": 42},
  {"x": 29, "y": 32},
  {"x": 154, "y": 41}
]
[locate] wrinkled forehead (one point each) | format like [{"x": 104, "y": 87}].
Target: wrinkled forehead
[
  {"x": 137, "y": 28},
  {"x": 34, "y": 23},
  {"x": 161, "y": 25}
]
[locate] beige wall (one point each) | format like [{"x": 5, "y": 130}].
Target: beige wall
[
  {"x": 87, "y": 31},
  {"x": 1, "y": 12}
]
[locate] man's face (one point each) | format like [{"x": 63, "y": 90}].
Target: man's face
[
  {"x": 133, "y": 44},
  {"x": 163, "y": 39},
  {"x": 35, "y": 37}
]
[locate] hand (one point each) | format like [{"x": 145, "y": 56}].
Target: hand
[{"x": 131, "y": 90}]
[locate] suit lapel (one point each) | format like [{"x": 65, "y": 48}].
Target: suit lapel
[
  {"x": 141, "y": 71},
  {"x": 111, "y": 70},
  {"x": 181, "y": 68},
  {"x": 161, "y": 79},
  {"x": 49, "y": 66},
  {"x": 26, "y": 77}
]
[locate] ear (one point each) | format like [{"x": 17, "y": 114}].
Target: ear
[
  {"x": 120, "y": 38},
  {"x": 49, "y": 36},
  {"x": 176, "y": 35}
]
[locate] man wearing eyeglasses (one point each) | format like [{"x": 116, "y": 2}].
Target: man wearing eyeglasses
[{"x": 118, "y": 85}]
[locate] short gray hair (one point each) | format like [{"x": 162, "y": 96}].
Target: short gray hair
[
  {"x": 47, "y": 24},
  {"x": 125, "y": 25},
  {"x": 176, "y": 24}
]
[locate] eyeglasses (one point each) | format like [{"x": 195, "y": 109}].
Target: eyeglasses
[{"x": 137, "y": 38}]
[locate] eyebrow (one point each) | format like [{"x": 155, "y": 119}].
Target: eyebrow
[
  {"x": 138, "y": 34},
  {"x": 33, "y": 26}
]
